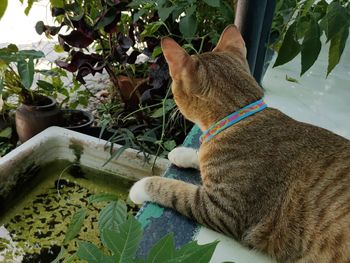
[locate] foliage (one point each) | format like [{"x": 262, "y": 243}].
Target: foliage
[
  {"x": 120, "y": 235},
  {"x": 6, "y": 140},
  {"x": 62, "y": 87},
  {"x": 3, "y": 6},
  {"x": 18, "y": 81},
  {"x": 303, "y": 24}
]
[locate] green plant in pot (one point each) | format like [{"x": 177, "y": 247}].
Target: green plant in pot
[{"x": 35, "y": 112}]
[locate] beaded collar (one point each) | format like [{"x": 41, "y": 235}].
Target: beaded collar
[{"x": 232, "y": 119}]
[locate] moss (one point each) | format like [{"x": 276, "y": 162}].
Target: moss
[{"x": 78, "y": 150}]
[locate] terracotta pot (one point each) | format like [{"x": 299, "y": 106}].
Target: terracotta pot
[
  {"x": 32, "y": 119},
  {"x": 76, "y": 120}
]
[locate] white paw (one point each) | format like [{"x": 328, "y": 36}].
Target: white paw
[
  {"x": 184, "y": 157},
  {"x": 138, "y": 193}
]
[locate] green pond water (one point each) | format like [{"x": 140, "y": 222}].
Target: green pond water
[{"x": 34, "y": 227}]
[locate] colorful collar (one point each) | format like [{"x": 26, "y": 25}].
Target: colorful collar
[{"x": 232, "y": 119}]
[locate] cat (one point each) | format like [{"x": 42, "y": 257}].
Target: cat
[{"x": 274, "y": 184}]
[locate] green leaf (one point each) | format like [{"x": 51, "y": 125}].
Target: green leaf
[
  {"x": 107, "y": 19},
  {"x": 103, "y": 197},
  {"x": 91, "y": 253},
  {"x": 116, "y": 154},
  {"x": 3, "y": 6},
  {"x": 194, "y": 253},
  {"x": 306, "y": 6},
  {"x": 169, "y": 104},
  {"x": 163, "y": 250},
  {"x": 336, "y": 48},
  {"x": 58, "y": 49},
  {"x": 40, "y": 27},
  {"x": 75, "y": 225},
  {"x": 188, "y": 24},
  {"x": 1, "y": 87},
  {"x": 59, "y": 256},
  {"x": 311, "y": 46},
  {"x": 169, "y": 145},
  {"x": 213, "y": 3},
  {"x": 164, "y": 12},
  {"x": 112, "y": 216},
  {"x": 124, "y": 242},
  {"x": 29, "y": 7},
  {"x": 70, "y": 259},
  {"x": 151, "y": 28},
  {"x": 30, "y": 54},
  {"x": 336, "y": 19},
  {"x": 44, "y": 85},
  {"x": 156, "y": 52},
  {"x": 290, "y": 47},
  {"x": 26, "y": 72},
  {"x": 6, "y": 133},
  {"x": 57, "y": 3}
]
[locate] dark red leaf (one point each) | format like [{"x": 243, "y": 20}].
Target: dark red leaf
[
  {"x": 67, "y": 66},
  {"x": 79, "y": 59},
  {"x": 133, "y": 56},
  {"x": 77, "y": 39},
  {"x": 55, "y": 11},
  {"x": 124, "y": 41},
  {"x": 112, "y": 27}
]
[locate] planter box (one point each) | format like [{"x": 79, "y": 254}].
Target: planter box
[{"x": 61, "y": 144}]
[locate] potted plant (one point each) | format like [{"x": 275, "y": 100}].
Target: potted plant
[{"x": 36, "y": 112}]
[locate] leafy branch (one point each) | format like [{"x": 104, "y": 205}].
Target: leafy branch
[
  {"x": 306, "y": 21},
  {"x": 121, "y": 234}
]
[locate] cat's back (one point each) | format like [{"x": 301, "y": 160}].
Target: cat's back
[{"x": 295, "y": 179}]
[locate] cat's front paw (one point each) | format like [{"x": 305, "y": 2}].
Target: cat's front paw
[
  {"x": 138, "y": 192},
  {"x": 184, "y": 157}
]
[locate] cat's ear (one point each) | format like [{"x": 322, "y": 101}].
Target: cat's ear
[
  {"x": 231, "y": 38},
  {"x": 175, "y": 55}
]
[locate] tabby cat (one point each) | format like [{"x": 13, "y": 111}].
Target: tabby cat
[{"x": 276, "y": 185}]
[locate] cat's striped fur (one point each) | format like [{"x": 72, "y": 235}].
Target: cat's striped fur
[{"x": 276, "y": 185}]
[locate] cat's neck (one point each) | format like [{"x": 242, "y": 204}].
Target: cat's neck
[{"x": 217, "y": 114}]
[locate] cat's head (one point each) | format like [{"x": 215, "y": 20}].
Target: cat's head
[{"x": 212, "y": 85}]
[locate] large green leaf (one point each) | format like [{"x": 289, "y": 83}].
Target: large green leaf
[
  {"x": 213, "y": 3},
  {"x": 124, "y": 242},
  {"x": 91, "y": 253},
  {"x": 164, "y": 12},
  {"x": 11, "y": 54},
  {"x": 311, "y": 46},
  {"x": 103, "y": 197},
  {"x": 337, "y": 18},
  {"x": 3, "y": 6},
  {"x": 194, "y": 253},
  {"x": 336, "y": 48},
  {"x": 188, "y": 24},
  {"x": 75, "y": 225},
  {"x": 290, "y": 47},
  {"x": 113, "y": 215},
  {"x": 26, "y": 72},
  {"x": 163, "y": 250}
]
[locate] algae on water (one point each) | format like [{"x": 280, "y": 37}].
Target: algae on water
[{"x": 34, "y": 229}]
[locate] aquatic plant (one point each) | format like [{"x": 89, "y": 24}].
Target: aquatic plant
[{"x": 120, "y": 235}]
